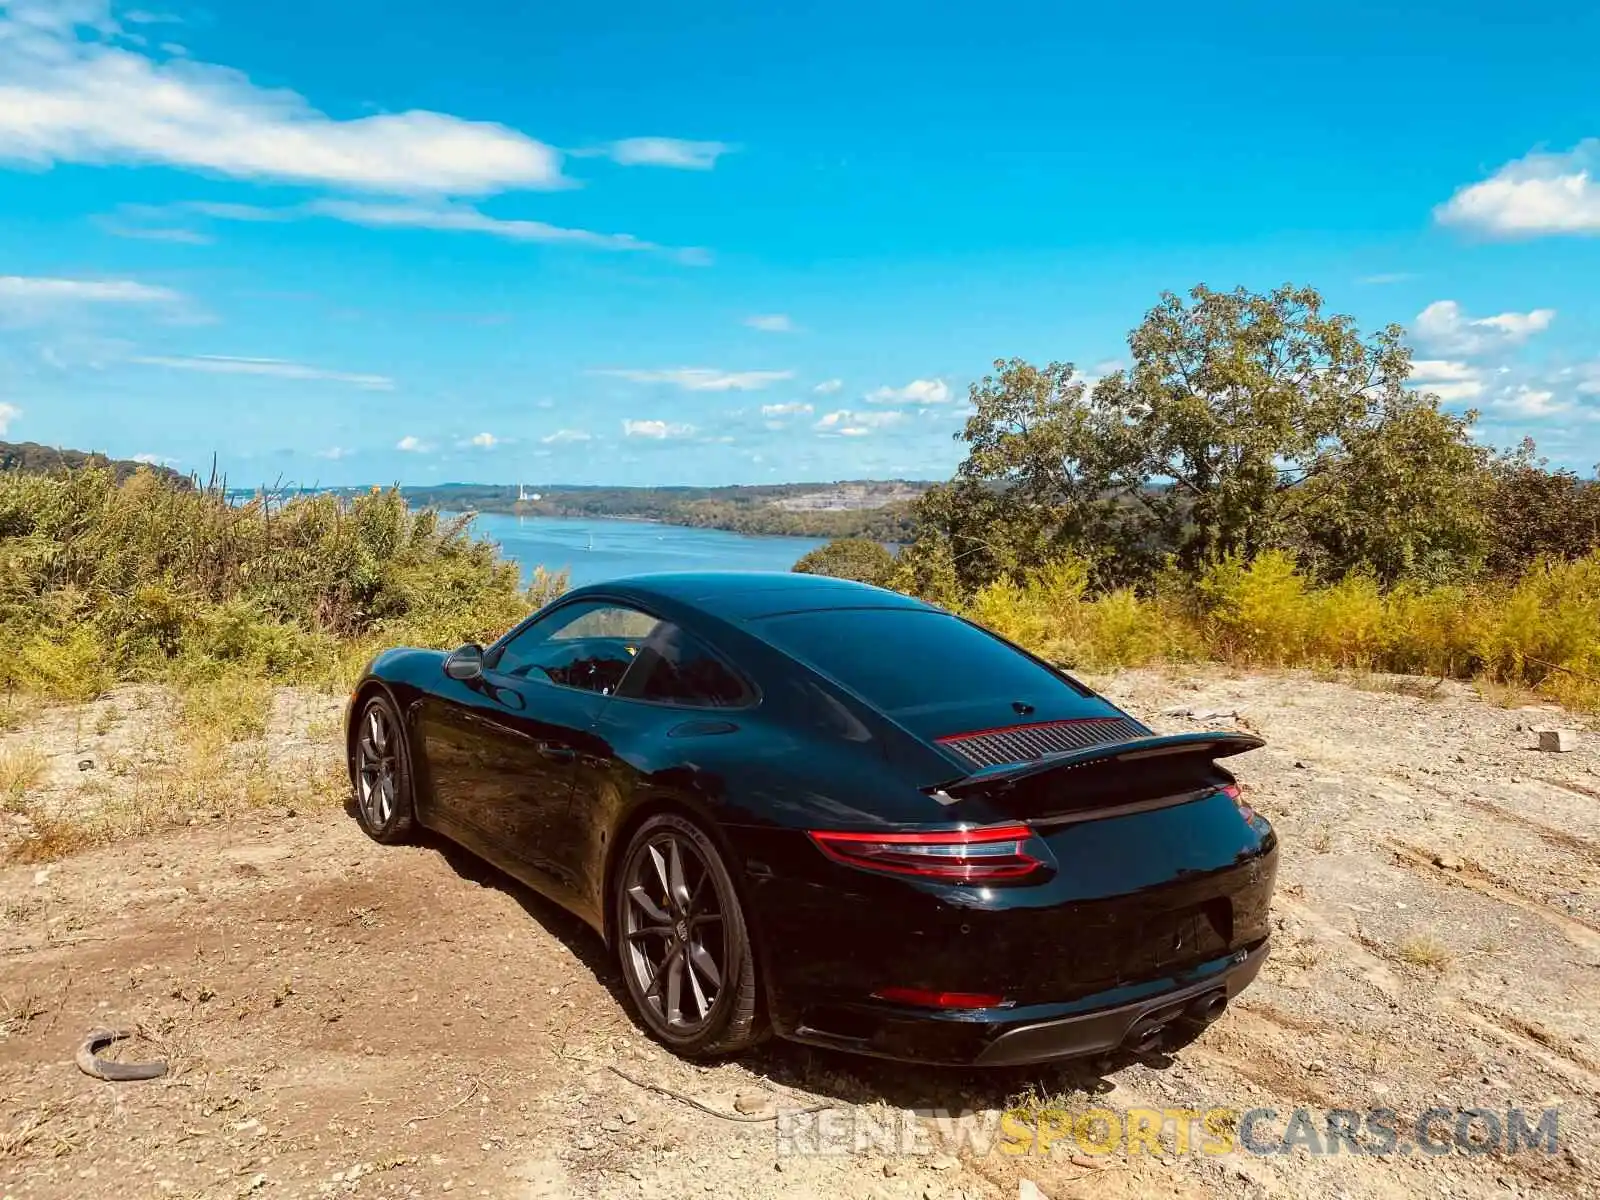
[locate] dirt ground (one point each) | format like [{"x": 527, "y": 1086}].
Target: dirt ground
[{"x": 342, "y": 1019}]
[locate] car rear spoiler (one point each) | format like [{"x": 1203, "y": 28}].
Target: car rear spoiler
[{"x": 989, "y": 779}]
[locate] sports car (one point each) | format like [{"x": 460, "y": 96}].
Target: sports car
[{"x": 800, "y": 805}]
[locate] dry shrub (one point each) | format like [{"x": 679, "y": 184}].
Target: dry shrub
[{"x": 1540, "y": 632}]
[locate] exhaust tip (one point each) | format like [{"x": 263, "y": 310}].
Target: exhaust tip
[
  {"x": 1203, "y": 1010},
  {"x": 1144, "y": 1036}
]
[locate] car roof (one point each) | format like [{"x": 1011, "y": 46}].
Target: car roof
[{"x": 746, "y": 595}]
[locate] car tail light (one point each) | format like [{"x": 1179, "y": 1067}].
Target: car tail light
[
  {"x": 922, "y": 998},
  {"x": 991, "y": 854},
  {"x": 1235, "y": 793}
]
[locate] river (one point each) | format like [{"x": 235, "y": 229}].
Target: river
[{"x": 593, "y": 550}]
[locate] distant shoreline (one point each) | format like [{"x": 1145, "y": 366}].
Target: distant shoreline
[
  {"x": 877, "y": 510},
  {"x": 664, "y": 524}
]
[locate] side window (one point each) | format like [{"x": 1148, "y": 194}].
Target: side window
[
  {"x": 673, "y": 668},
  {"x": 589, "y": 645}
]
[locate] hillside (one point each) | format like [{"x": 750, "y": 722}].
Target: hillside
[
  {"x": 878, "y": 509},
  {"x": 39, "y": 460}
]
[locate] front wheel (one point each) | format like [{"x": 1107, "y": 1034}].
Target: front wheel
[
  {"x": 381, "y": 773},
  {"x": 682, "y": 942}
]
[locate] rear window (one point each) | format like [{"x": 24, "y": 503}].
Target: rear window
[{"x": 902, "y": 658}]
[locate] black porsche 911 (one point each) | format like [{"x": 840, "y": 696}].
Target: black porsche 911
[{"x": 804, "y": 805}]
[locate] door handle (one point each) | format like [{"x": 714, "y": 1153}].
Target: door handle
[{"x": 559, "y": 754}]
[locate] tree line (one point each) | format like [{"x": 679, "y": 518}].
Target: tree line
[
  {"x": 1245, "y": 422},
  {"x": 33, "y": 458},
  {"x": 737, "y": 508}
]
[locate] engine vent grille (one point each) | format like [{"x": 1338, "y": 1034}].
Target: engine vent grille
[{"x": 1023, "y": 743}]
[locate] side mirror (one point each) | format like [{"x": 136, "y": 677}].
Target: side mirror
[{"x": 465, "y": 664}]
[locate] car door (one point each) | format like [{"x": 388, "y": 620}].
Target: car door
[
  {"x": 503, "y": 748},
  {"x": 677, "y": 692}
]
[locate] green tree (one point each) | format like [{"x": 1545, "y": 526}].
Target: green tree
[
  {"x": 1233, "y": 403},
  {"x": 1047, "y": 474},
  {"x": 926, "y": 569},
  {"x": 1401, "y": 496},
  {"x": 860, "y": 559},
  {"x": 1535, "y": 512},
  {"x": 1238, "y": 397}
]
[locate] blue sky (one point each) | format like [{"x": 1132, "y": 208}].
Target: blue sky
[{"x": 713, "y": 243}]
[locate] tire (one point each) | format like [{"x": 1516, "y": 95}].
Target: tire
[
  {"x": 380, "y": 774},
  {"x": 667, "y": 950}
]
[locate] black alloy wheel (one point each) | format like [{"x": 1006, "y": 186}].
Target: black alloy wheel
[
  {"x": 381, "y": 774},
  {"x": 682, "y": 941}
]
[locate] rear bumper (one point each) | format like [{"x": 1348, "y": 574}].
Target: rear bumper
[{"x": 1040, "y": 1033}]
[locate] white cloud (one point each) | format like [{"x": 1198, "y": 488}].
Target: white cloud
[
  {"x": 1443, "y": 326},
  {"x": 667, "y": 152},
  {"x": 655, "y": 429},
  {"x": 458, "y": 218},
  {"x": 154, "y": 460},
  {"x": 844, "y": 423},
  {"x": 1538, "y": 194},
  {"x": 187, "y": 237},
  {"x": 1454, "y": 393},
  {"x": 771, "y": 323},
  {"x": 703, "y": 379},
  {"x": 8, "y": 414},
  {"x": 335, "y": 452},
  {"x": 86, "y": 291},
  {"x": 1588, "y": 377},
  {"x": 784, "y": 410},
  {"x": 230, "y": 212},
  {"x": 1442, "y": 371},
  {"x": 485, "y": 441},
  {"x": 564, "y": 435},
  {"x": 454, "y": 218},
  {"x": 1450, "y": 381},
  {"x": 1528, "y": 401},
  {"x": 276, "y": 368},
  {"x": 828, "y": 387},
  {"x": 67, "y": 98},
  {"x": 411, "y": 444},
  {"x": 918, "y": 391}
]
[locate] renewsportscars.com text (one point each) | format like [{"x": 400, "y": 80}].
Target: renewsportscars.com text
[{"x": 1212, "y": 1131}]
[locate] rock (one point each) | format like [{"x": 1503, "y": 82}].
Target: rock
[
  {"x": 1447, "y": 862},
  {"x": 585, "y": 1142},
  {"x": 750, "y": 1103},
  {"x": 941, "y": 1162},
  {"x": 891, "y": 1169},
  {"x": 86, "y": 764},
  {"x": 627, "y": 1116},
  {"x": 1558, "y": 741},
  {"x": 1027, "y": 1189}
]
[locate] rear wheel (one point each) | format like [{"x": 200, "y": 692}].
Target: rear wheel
[
  {"x": 382, "y": 773},
  {"x": 682, "y": 941}
]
